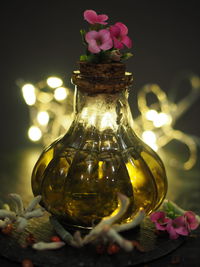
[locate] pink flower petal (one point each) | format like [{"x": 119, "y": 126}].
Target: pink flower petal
[
  {"x": 190, "y": 215},
  {"x": 177, "y": 226},
  {"x": 105, "y": 36},
  {"x": 155, "y": 216},
  {"x": 160, "y": 226},
  {"x": 98, "y": 41},
  {"x": 123, "y": 28},
  {"x": 107, "y": 45},
  {"x": 172, "y": 233},
  {"x": 107, "y": 42},
  {"x": 166, "y": 220},
  {"x": 101, "y": 19},
  {"x": 179, "y": 221},
  {"x": 194, "y": 225},
  {"x": 90, "y": 16},
  {"x": 191, "y": 220},
  {"x": 115, "y": 31},
  {"x": 91, "y": 36},
  {"x": 182, "y": 230},
  {"x": 171, "y": 230},
  {"x": 93, "y": 47},
  {"x": 117, "y": 44},
  {"x": 127, "y": 41}
]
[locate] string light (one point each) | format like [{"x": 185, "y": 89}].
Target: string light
[
  {"x": 46, "y": 98},
  {"x": 34, "y": 133},
  {"x": 154, "y": 125},
  {"x": 28, "y": 91},
  {"x": 151, "y": 114},
  {"x": 157, "y": 119},
  {"x": 43, "y": 117},
  {"x": 149, "y": 138},
  {"x": 161, "y": 119},
  {"x": 54, "y": 82},
  {"x": 60, "y": 94}
]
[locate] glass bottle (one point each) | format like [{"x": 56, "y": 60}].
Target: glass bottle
[{"x": 80, "y": 174}]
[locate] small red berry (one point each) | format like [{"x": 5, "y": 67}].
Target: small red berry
[
  {"x": 27, "y": 263},
  {"x": 113, "y": 249},
  {"x": 55, "y": 238},
  {"x": 100, "y": 248},
  {"x": 138, "y": 246},
  {"x": 8, "y": 229},
  {"x": 30, "y": 239}
]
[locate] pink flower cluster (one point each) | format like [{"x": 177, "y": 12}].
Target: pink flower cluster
[
  {"x": 114, "y": 36},
  {"x": 181, "y": 225}
]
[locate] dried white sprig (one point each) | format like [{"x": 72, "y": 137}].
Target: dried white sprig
[
  {"x": 48, "y": 245},
  {"x": 4, "y": 223},
  {"x": 106, "y": 230},
  {"x": 65, "y": 235},
  {"x": 19, "y": 215},
  {"x": 31, "y": 206},
  {"x": 19, "y": 206},
  {"x": 6, "y": 206},
  {"x": 7, "y": 214},
  {"x": 117, "y": 238},
  {"x": 3, "y": 213},
  {"x": 132, "y": 224},
  {"x": 96, "y": 231}
]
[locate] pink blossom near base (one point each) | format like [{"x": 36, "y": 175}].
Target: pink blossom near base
[
  {"x": 191, "y": 220},
  {"x": 181, "y": 225},
  {"x": 177, "y": 227},
  {"x": 160, "y": 220}
]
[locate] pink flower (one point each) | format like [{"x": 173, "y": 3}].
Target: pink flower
[
  {"x": 119, "y": 33},
  {"x": 191, "y": 220},
  {"x": 98, "y": 41},
  {"x": 92, "y": 17},
  {"x": 177, "y": 227},
  {"x": 160, "y": 220}
]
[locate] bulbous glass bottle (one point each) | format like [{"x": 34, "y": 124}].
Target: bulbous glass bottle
[{"x": 80, "y": 174}]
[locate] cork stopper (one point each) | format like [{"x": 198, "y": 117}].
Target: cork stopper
[{"x": 102, "y": 78}]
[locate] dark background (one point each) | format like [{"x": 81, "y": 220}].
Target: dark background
[{"x": 41, "y": 38}]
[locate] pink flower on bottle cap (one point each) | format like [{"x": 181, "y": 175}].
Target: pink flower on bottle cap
[
  {"x": 92, "y": 17},
  {"x": 98, "y": 41},
  {"x": 119, "y": 33}
]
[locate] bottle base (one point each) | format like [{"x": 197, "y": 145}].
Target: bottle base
[{"x": 72, "y": 228}]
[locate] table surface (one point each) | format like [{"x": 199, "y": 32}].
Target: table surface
[{"x": 184, "y": 189}]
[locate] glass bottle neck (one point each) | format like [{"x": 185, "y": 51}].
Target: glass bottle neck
[{"x": 103, "y": 111}]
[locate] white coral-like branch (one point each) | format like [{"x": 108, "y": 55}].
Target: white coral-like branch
[
  {"x": 106, "y": 230},
  {"x": 48, "y": 245},
  {"x": 19, "y": 215}
]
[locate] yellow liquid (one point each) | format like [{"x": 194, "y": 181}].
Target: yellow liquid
[{"x": 79, "y": 186}]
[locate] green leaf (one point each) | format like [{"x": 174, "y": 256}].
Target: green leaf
[
  {"x": 104, "y": 56},
  {"x": 93, "y": 58},
  {"x": 83, "y": 58},
  {"x": 83, "y": 33},
  {"x": 101, "y": 57},
  {"x": 170, "y": 211},
  {"x": 126, "y": 56},
  {"x": 97, "y": 27}
]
